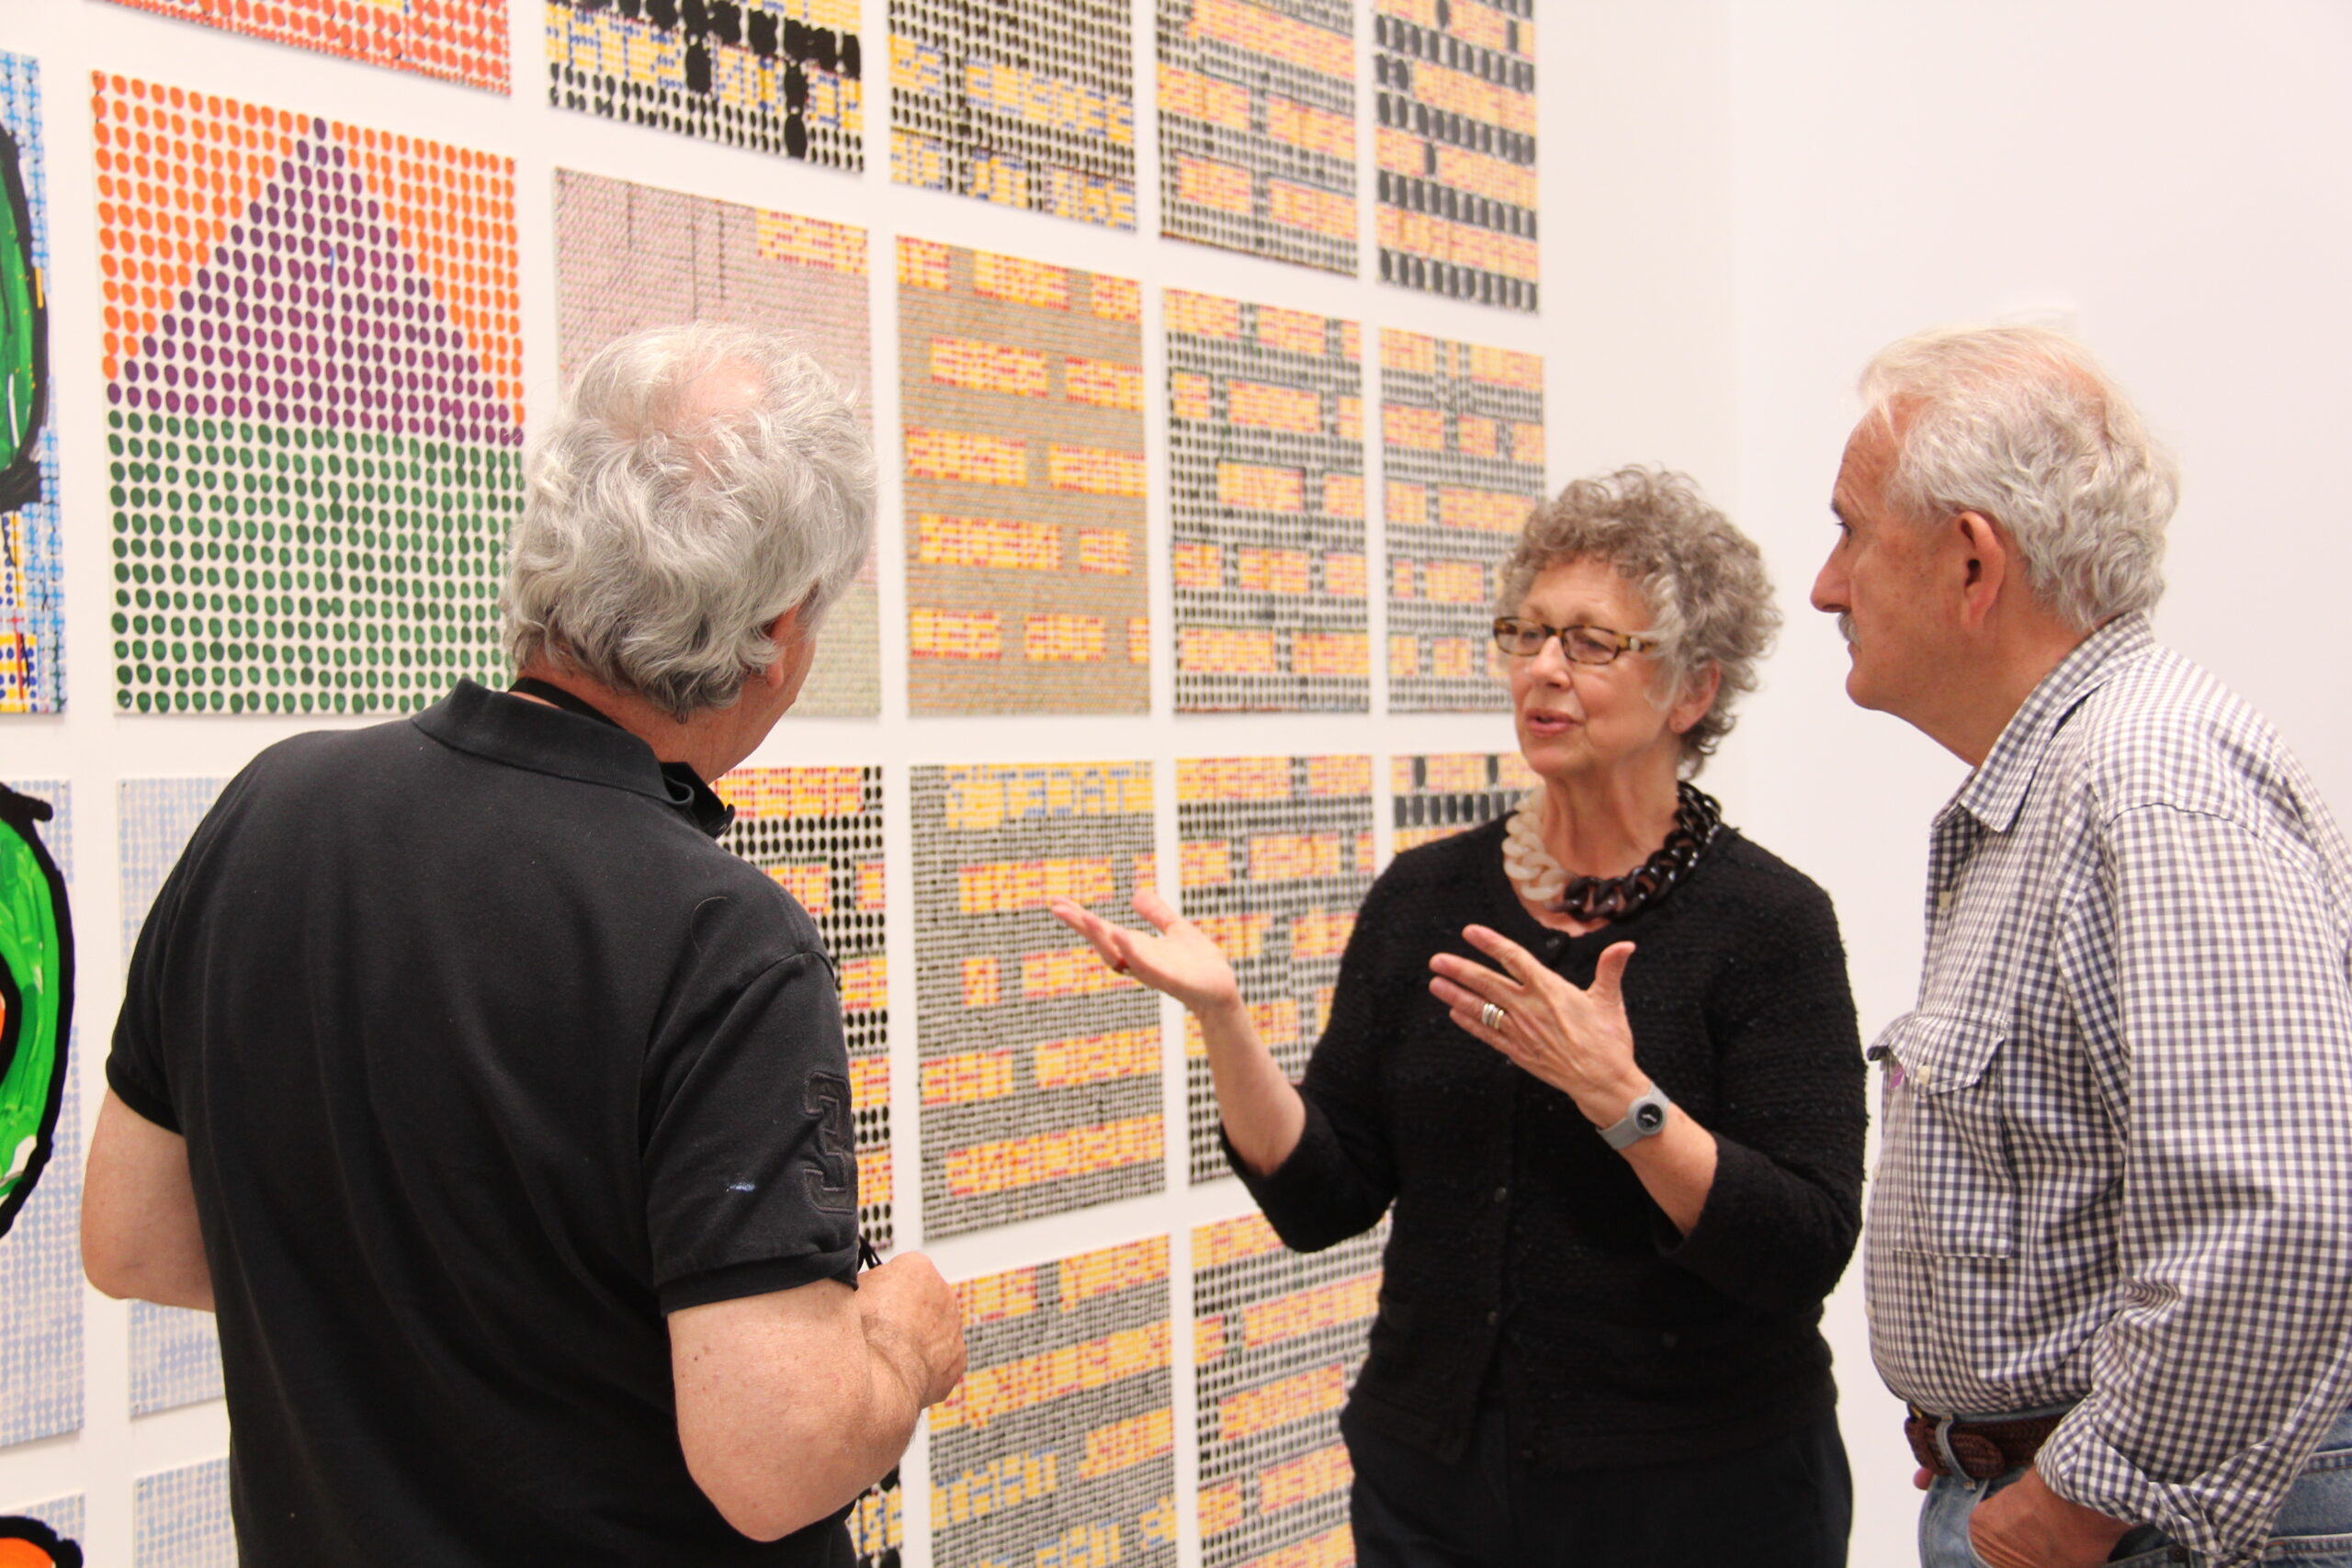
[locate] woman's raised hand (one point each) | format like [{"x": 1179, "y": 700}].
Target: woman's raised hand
[
  {"x": 1574, "y": 1038},
  {"x": 1180, "y": 960}
]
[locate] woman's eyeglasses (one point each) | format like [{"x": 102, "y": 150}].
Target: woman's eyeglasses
[{"x": 1583, "y": 645}]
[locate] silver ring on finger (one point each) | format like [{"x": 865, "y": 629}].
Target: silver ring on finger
[{"x": 1493, "y": 1017}]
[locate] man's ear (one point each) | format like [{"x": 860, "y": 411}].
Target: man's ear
[
  {"x": 784, "y": 631},
  {"x": 1987, "y": 560}
]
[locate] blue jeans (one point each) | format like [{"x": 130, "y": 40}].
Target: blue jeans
[{"x": 2313, "y": 1528}]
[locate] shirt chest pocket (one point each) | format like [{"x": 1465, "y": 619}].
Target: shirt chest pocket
[{"x": 1944, "y": 1183}]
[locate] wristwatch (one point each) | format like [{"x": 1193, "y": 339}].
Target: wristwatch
[{"x": 1646, "y": 1118}]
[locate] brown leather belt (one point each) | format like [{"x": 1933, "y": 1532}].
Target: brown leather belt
[{"x": 1977, "y": 1450}]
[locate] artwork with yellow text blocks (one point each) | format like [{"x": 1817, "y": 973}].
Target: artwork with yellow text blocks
[
  {"x": 1455, "y": 142},
  {"x": 1438, "y": 796},
  {"x": 1025, "y": 103},
  {"x": 1021, "y": 391},
  {"x": 1461, "y": 453},
  {"x": 1277, "y": 853},
  {"x": 1058, "y": 1449},
  {"x": 780, "y": 76},
  {"x": 632, "y": 256},
  {"x": 1040, "y": 1066},
  {"x": 1277, "y": 1338},
  {"x": 1258, "y": 127},
  {"x": 817, "y": 831},
  {"x": 1265, "y": 430}
]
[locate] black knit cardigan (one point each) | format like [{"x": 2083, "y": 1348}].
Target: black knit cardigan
[{"x": 1525, "y": 1261}]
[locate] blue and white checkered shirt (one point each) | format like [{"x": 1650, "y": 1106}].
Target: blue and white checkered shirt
[{"x": 2117, "y": 1159}]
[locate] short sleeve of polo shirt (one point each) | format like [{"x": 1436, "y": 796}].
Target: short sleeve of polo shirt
[{"x": 751, "y": 1158}]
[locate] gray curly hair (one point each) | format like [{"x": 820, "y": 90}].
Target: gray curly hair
[
  {"x": 1701, "y": 579},
  {"x": 2020, "y": 425},
  {"x": 668, "y": 518}
]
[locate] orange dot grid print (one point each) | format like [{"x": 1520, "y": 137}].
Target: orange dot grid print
[
  {"x": 455, "y": 40},
  {"x": 780, "y": 76},
  {"x": 1059, "y": 1447},
  {"x": 313, "y": 352},
  {"x": 1024, "y": 103},
  {"x": 1461, "y": 448},
  {"x": 1276, "y": 854},
  {"x": 1277, "y": 1336},
  {"x": 1040, "y": 1066},
  {"x": 1020, "y": 388},
  {"x": 1258, "y": 127},
  {"x": 1456, "y": 144},
  {"x": 1265, "y": 434}
]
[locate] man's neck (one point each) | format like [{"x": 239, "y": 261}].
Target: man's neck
[
  {"x": 1988, "y": 689},
  {"x": 693, "y": 741}
]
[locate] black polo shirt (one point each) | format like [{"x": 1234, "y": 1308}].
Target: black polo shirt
[{"x": 486, "y": 1057}]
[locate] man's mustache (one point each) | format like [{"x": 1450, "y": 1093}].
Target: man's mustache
[{"x": 1846, "y": 625}]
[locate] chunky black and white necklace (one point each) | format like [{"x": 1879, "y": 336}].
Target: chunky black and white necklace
[{"x": 1541, "y": 879}]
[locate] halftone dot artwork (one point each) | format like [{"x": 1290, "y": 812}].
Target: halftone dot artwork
[
  {"x": 41, "y": 1289},
  {"x": 1021, "y": 393},
  {"x": 32, "y": 571},
  {"x": 1277, "y": 1339},
  {"x": 1258, "y": 127},
  {"x": 1040, "y": 1066},
  {"x": 1455, "y": 147},
  {"x": 817, "y": 831},
  {"x": 455, "y": 40},
  {"x": 179, "y": 1518},
  {"x": 313, "y": 354},
  {"x": 175, "y": 1352},
  {"x": 1446, "y": 793},
  {"x": 1059, "y": 1447},
  {"x": 779, "y": 76},
  {"x": 1276, "y": 854},
  {"x": 1265, "y": 433},
  {"x": 1462, "y": 463},
  {"x": 1024, "y": 103},
  {"x": 632, "y": 256}
]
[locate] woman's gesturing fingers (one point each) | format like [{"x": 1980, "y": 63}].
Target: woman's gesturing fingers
[{"x": 1100, "y": 935}]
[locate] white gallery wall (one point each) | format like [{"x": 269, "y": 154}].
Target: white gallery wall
[{"x": 1741, "y": 199}]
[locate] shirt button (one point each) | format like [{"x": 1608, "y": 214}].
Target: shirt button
[
  {"x": 1943, "y": 902},
  {"x": 1502, "y": 1194},
  {"x": 1493, "y": 1318}
]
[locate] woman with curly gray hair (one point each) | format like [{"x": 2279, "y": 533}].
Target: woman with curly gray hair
[{"x": 1622, "y": 1186}]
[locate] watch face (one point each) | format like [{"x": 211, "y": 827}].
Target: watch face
[{"x": 1650, "y": 1118}]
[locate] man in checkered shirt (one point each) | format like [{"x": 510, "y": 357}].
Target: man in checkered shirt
[{"x": 2109, "y": 1244}]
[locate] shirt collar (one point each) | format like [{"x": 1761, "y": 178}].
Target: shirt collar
[
  {"x": 1996, "y": 792},
  {"x": 502, "y": 727}
]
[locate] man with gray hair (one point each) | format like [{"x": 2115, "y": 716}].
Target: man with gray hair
[
  {"x": 500, "y": 1116},
  {"x": 2109, "y": 1249}
]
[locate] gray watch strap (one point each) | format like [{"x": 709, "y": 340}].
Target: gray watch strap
[{"x": 1646, "y": 1118}]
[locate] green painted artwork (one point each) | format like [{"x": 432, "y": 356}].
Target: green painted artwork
[
  {"x": 36, "y": 999},
  {"x": 24, "y": 338}
]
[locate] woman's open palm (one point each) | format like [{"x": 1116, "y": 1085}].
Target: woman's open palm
[{"x": 1175, "y": 958}]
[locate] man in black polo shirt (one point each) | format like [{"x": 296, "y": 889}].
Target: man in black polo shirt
[{"x": 502, "y": 1116}]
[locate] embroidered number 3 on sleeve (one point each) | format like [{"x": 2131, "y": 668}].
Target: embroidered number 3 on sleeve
[{"x": 833, "y": 1186}]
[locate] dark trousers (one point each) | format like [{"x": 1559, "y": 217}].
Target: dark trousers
[{"x": 1784, "y": 1504}]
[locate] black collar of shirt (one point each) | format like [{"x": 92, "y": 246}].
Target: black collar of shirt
[{"x": 568, "y": 743}]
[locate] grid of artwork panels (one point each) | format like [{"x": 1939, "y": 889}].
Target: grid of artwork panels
[{"x": 1276, "y": 854}]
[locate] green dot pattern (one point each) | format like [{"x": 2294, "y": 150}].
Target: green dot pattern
[{"x": 295, "y": 570}]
